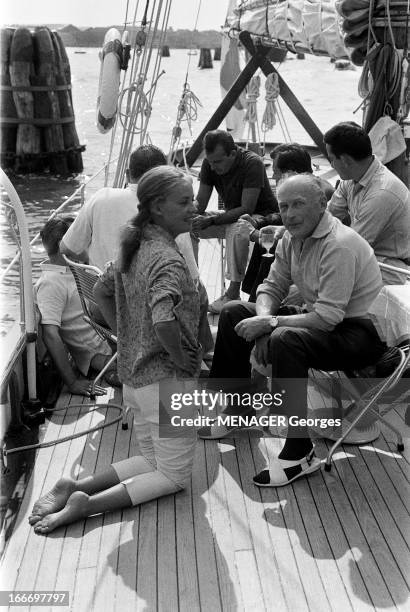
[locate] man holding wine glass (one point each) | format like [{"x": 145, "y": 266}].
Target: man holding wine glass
[
  {"x": 267, "y": 238},
  {"x": 337, "y": 274}
]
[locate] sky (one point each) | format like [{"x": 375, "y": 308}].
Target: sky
[{"x": 108, "y": 12}]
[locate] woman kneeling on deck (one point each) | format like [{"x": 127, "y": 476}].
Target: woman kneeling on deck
[{"x": 152, "y": 299}]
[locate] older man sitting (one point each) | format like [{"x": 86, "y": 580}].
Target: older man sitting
[{"x": 338, "y": 276}]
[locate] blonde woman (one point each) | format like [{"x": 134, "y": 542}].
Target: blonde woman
[{"x": 152, "y": 302}]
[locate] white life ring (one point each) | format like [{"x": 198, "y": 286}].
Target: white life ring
[{"x": 109, "y": 83}]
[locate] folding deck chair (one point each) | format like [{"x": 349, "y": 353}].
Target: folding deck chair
[
  {"x": 85, "y": 277},
  {"x": 365, "y": 396}
]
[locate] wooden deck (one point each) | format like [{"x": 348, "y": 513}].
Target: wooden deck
[{"x": 333, "y": 541}]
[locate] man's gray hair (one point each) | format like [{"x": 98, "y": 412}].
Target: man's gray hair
[{"x": 312, "y": 182}]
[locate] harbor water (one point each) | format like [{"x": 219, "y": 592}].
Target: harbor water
[{"x": 328, "y": 95}]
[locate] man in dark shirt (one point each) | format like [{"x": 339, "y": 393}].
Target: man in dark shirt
[{"x": 239, "y": 177}]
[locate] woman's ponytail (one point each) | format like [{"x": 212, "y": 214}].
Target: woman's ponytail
[
  {"x": 153, "y": 186},
  {"x": 131, "y": 239}
]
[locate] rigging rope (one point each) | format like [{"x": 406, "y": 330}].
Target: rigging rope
[
  {"x": 404, "y": 100},
  {"x": 187, "y": 111},
  {"x": 192, "y": 38},
  {"x": 139, "y": 84},
  {"x": 187, "y": 107}
]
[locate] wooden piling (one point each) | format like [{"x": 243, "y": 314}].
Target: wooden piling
[
  {"x": 28, "y": 143},
  {"x": 37, "y": 118},
  {"x": 165, "y": 51},
  {"x": 205, "y": 59},
  {"x": 63, "y": 80},
  {"x": 217, "y": 54},
  {"x": 342, "y": 64},
  {"x": 7, "y": 106},
  {"x": 47, "y": 103}
]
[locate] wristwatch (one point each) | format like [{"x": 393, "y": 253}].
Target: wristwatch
[{"x": 274, "y": 322}]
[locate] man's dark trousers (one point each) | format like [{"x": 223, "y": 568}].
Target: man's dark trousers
[{"x": 353, "y": 344}]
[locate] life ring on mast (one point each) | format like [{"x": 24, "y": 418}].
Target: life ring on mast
[{"x": 109, "y": 83}]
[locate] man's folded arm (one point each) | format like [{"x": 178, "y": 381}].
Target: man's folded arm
[{"x": 338, "y": 204}]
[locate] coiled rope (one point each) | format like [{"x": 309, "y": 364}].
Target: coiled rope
[
  {"x": 272, "y": 94},
  {"x": 382, "y": 70},
  {"x": 188, "y": 112},
  {"x": 252, "y": 95}
]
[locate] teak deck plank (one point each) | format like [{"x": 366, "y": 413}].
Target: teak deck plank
[
  {"x": 204, "y": 542},
  {"x": 59, "y": 554},
  {"x": 398, "y": 509},
  {"x": 389, "y": 551},
  {"x": 66, "y": 578},
  {"x": 279, "y": 537},
  {"x": 167, "y": 556},
  {"x": 98, "y": 455},
  {"x": 23, "y": 539},
  {"x": 264, "y": 552},
  {"x": 107, "y": 572},
  {"x": 243, "y": 530},
  {"x": 307, "y": 569},
  {"x": 125, "y": 594},
  {"x": 188, "y": 588},
  {"x": 369, "y": 537},
  {"x": 229, "y": 588},
  {"x": 46, "y": 560},
  {"x": 335, "y": 541}
]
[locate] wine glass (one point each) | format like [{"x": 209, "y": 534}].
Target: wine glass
[{"x": 267, "y": 239}]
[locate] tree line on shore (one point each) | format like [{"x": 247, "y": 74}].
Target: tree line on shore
[{"x": 175, "y": 39}]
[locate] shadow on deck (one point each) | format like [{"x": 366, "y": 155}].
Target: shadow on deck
[{"x": 333, "y": 541}]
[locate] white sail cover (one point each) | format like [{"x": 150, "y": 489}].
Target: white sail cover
[
  {"x": 230, "y": 69},
  {"x": 302, "y": 26}
]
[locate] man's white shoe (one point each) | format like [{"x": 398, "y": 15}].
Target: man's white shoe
[{"x": 282, "y": 471}]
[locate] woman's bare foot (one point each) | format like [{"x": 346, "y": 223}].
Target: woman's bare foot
[
  {"x": 75, "y": 509},
  {"x": 53, "y": 501}
]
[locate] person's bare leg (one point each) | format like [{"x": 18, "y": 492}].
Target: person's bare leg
[
  {"x": 80, "y": 505},
  {"x": 57, "y": 497}
]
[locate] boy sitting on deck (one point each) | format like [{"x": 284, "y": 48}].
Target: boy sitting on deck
[{"x": 63, "y": 328}]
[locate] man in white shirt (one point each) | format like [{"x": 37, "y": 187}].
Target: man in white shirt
[
  {"x": 95, "y": 234},
  {"x": 96, "y": 229}
]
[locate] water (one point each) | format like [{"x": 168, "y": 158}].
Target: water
[{"x": 328, "y": 95}]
